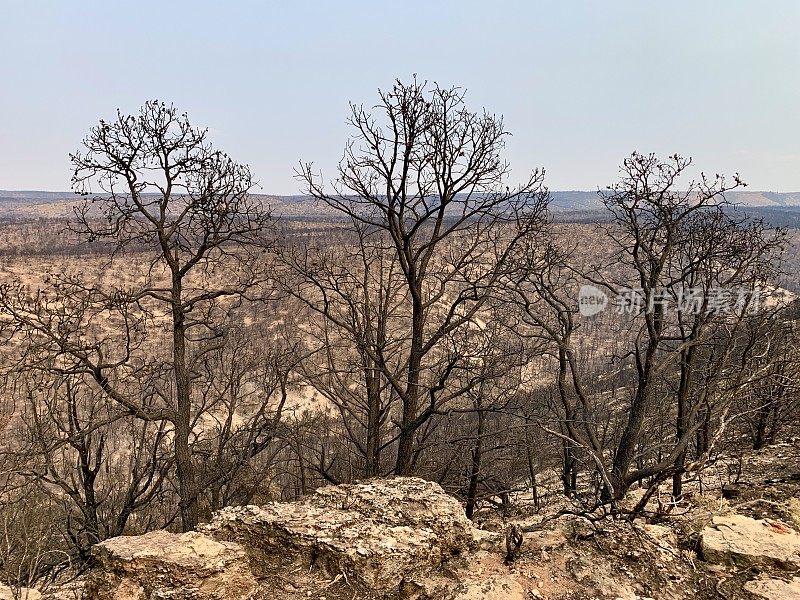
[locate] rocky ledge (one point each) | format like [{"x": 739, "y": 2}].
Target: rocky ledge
[
  {"x": 382, "y": 538},
  {"x": 405, "y": 539}
]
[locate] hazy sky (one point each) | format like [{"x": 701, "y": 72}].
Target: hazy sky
[{"x": 581, "y": 84}]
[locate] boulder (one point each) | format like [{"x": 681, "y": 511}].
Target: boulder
[
  {"x": 377, "y": 535},
  {"x": 774, "y": 589},
  {"x": 743, "y": 542},
  {"x": 188, "y": 566}
]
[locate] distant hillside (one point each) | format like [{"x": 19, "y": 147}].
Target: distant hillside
[
  {"x": 15, "y": 196},
  {"x": 782, "y": 207},
  {"x": 577, "y": 200},
  {"x": 25, "y": 205}
]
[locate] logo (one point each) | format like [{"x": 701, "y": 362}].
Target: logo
[
  {"x": 591, "y": 300},
  {"x": 689, "y": 301}
]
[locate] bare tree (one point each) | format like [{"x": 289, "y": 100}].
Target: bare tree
[
  {"x": 423, "y": 178},
  {"x": 353, "y": 290},
  {"x": 687, "y": 247},
  {"x": 31, "y": 551},
  {"x": 243, "y": 387},
  {"x": 672, "y": 247},
  {"x": 78, "y": 446},
  {"x": 180, "y": 213}
]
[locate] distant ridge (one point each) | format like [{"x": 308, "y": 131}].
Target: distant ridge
[
  {"x": 30, "y": 204},
  {"x": 34, "y": 195},
  {"x": 579, "y": 200}
]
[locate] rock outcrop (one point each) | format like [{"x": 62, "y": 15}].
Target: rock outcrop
[
  {"x": 378, "y": 535},
  {"x": 406, "y": 539},
  {"x": 775, "y": 589},
  {"x": 158, "y": 565},
  {"x": 740, "y": 541}
]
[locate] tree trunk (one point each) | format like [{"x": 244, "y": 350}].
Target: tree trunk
[
  {"x": 187, "y": 486},
  {"x": 475, "y": 469},
  {"x": 372, "y": 458},
  {"x": 702, "y": 435},
  {"x": 408, "y": 426},
  {"x": 626, "y": 449},
  {"x": 760, "y": 437},
  {"x": 681, "y": 425},
  {"x": 91, "y": 523}
]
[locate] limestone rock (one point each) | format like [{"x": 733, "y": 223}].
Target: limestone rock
[
  {"x": 488, "y": 540},
  {"x": 743, "y": 542},
  {"x": 794, "y": 511},
  {"x": 188, "y": 566},
  {"x": 377, "y": 534},
  {"x": 774, "y": 589},
  {"x": 403, "y": 502}
]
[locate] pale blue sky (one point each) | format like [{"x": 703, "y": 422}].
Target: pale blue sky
[{"x": 581, "y": 84}]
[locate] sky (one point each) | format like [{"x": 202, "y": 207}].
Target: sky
[{"x": 580, "y": 84}]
